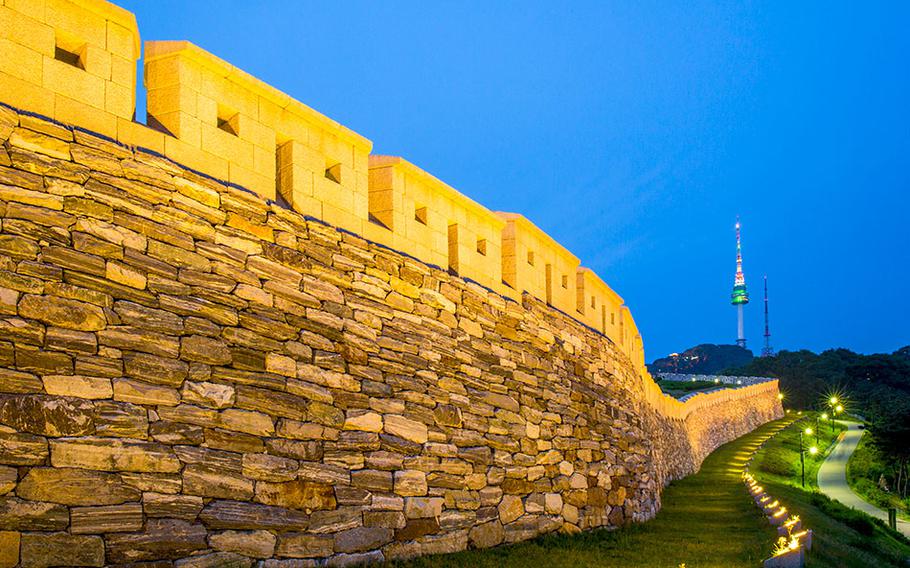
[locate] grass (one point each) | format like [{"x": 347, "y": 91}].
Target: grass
[
  {"x": 707, "y": 520},
  {"x": 843, "y": 536},
  {"x": 780, "y": 455},
  {"x": 864, "y": 469},
  {"x": 680, "y": 388}
]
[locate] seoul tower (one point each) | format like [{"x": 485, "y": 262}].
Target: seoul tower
[{"x": 739, "y": 297}]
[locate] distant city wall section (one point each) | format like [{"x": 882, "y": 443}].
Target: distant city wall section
[{"x": 195, "y": 371}]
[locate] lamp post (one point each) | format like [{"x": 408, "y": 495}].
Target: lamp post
[
  {"x": 802, "y": 460},
  {"x": 824, "y": 416},
  {"x": 838, "y": 408},
  {"x": 816, "y": 429}
]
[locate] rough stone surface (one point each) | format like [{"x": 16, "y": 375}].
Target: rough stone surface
[
  {"x": 192, "y": 376},
  {"x": 40, "y": 550},
  {"x": 108, "y": 454},
  {"x": 256, "y": 544},
  {"x": 299, "y": 494},
  {"x": 22, "y": 449},
  {"x": 184, "y": 507},
  {"x": 18, "y": 514},
  {"x": 162, "y": 539},
  {"x": 75, "y": 487},
  {"x": 47, "y": 415},
  {"x": 486, "y": 535},
  {"x": 9, "y": 549},
  {"x": 109, "y": 519}
]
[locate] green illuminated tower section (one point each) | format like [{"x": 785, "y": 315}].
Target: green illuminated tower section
[{"x": 740, "y": 296}]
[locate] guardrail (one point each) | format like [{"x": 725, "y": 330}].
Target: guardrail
[{"x": 719, "y": 379}]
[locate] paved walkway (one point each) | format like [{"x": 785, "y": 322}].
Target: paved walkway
[{"x": 832, "y": 477}]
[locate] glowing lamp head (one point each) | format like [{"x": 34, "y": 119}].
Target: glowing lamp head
[
  {"x": 780, "y": 396},
  {"x": 840, "y": 408},
  {"x": 813, "y": 450},
  {"x": 833, "y": 400},
  {"x": 808, "y": 431},
  {"x": 824, "y": 415}
]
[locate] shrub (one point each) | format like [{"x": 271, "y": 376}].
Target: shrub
[
  {"x": 776, "y": 463},
  {"x": 856, "y": 520}
]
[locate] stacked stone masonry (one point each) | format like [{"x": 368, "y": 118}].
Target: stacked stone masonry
[
  {"x": 191, "y": 374},
  {"x": 194, "y": 374}
]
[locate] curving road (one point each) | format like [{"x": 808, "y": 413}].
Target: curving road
[{"x": 832, "y": 477}]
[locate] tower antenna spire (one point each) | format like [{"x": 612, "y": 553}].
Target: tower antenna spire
[
  {"x": 740, "y": 296},
  {"x": 767, "y": 350}
]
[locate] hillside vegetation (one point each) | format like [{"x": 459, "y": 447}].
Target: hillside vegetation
[
  {"x": 874, "y": 387},
  {"x": 705, "y": 359}
]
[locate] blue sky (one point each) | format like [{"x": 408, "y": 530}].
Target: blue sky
[{"x": 634, "y": 133}]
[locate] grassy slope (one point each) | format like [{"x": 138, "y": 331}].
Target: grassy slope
[
  {"x": 843, "y": 537},
  {"x": 707, "y": 520},
  {"x": 863, "y": 471},
  {"x": 780, "y": 455}
]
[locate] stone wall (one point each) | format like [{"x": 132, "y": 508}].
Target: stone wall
[{"x": 190, "y": 374}]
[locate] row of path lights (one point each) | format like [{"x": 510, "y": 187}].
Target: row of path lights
[{"x": 794, "y": 541}]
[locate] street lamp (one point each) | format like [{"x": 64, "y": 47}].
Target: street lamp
[{"x": 802, "y": 460}]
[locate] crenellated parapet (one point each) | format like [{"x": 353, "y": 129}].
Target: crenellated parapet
[
  {"x": 75, "y": 62},
  {"x": 234, "y": 127},
  {"x": 71, "y": 61},
  {"x": 412, "y": 211}
]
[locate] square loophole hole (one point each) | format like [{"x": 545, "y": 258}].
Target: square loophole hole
[
  {"x": 69, "y": 49},
  {"x": 482, "y": 246},
  {"x": 228, "y": 120},
  {"x": 420, "y": 215},
  {"x": 531, "y": 258},
  {"x": 333, "y": 171},
  {"x": 68, "y": 57}
]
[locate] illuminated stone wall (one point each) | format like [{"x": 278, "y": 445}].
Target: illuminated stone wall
[
  {"x": 218, "y": 372},
  {"x": 187, "y": 370}
]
